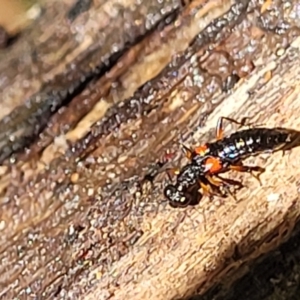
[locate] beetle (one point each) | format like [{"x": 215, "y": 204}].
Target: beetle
[
  {"x": 190, "y": 180},
  {"x": 227, "y": 153}
]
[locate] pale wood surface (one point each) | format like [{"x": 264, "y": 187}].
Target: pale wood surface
[{"x": 263, "y": 218}]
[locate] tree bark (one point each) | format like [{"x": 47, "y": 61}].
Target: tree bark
[{"x": 93, "y": 95}]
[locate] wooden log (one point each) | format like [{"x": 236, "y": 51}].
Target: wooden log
[{"x": 110, "y": 91}]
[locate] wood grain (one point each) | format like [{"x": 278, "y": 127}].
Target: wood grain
[{"x": 263, "y": 218}]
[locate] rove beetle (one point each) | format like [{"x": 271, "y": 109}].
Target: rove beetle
[{"x": 226, "y": 153}]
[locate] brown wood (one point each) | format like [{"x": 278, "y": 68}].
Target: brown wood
[{"x": 79, "y": 217}]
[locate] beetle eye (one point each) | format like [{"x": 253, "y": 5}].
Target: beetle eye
[{"x": 169, "y": 191}]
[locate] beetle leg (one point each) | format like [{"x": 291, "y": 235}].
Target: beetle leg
[
  {"x": 214, "y": 182},
  {"x": 225, "y": 183},
  {"x": 214, "y": 186},
  {"x": 255, "y": 171},
  {"x": 186, "y": 150},
  {"x": 229, "y": 181},
  {"x": 206, "y": 190},
  {"x": 244, "y": 122},
  {"x": 220, "y": 129}
]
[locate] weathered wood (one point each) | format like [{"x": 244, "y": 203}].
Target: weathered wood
[
  {"x": 78, "y": 215},
  {"x": 273, "y": 275},
  {"x": 231, "y": 234}
]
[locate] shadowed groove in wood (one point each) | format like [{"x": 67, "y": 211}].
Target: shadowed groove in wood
[
  {"x": 24, "y": 123},
  {"x": 273, "y": 274},
  {"x": 139, "y": 105}
]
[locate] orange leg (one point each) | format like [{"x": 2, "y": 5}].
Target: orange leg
[
  {"x": 213, "y": 181},
  {"x": 187, "y": 151},
  {"x": 249, "y": 169},
  {"x": 212, "y": 188},
  {"x": 232, "y": 182},
  {"x": 216, "y": 185},
  {"x": 206, "y": 191},
  {"x": 225, "y": 183},
  {"x": 230, "y": 193},
  {"x": 243, "y": 122},
  {"x": 220, "y": 129}
]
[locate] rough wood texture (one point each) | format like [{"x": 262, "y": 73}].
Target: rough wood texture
[{"x": 92, "y": 97}]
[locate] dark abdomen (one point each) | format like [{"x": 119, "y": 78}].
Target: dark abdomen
[{"x": 249, "y": 142}]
